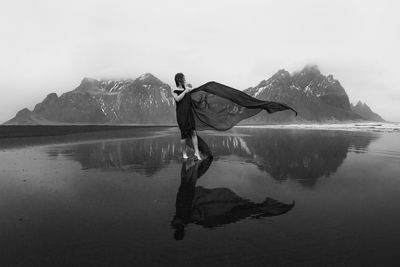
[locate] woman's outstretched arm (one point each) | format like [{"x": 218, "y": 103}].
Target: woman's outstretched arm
[{"x": 179, "y": 97}]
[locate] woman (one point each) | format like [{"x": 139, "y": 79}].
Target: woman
[
  {"x": 213, "y": 106},
  {"x": 185, "y": 115}
]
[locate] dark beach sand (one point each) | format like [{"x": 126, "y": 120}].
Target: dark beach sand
[
  {"x": 18, "y": 131},
  {"x": 22, "y": 136},
  {"x": 109, "y": 197}
]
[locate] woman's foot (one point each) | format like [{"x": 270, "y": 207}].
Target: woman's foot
[
  {"x": 197, "y": 156},
  {"x": 185, "y": 156}
]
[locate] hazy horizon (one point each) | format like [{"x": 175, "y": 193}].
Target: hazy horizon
[{"x": 49, "y": 46}]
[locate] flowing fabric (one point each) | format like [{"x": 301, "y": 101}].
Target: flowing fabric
[
  {"x": 220, "y": 107},
  {"x": 215, "y": 106}
]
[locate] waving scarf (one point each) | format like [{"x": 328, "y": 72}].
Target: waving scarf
[{"x": 220, "y": 107}]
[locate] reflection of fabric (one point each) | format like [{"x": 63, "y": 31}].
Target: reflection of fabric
[
  {"x": 217, "y": 206},
  {"x": 220, "y": 107}
]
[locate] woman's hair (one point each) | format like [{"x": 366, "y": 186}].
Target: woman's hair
[{"x": 180, "y": 80}]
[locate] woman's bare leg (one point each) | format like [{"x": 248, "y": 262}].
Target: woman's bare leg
[
  {"x": 195, "y": 145},
  {"x": 183, "y": 145}
]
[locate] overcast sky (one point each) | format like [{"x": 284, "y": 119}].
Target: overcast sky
[{"x": 50, "y": 45}]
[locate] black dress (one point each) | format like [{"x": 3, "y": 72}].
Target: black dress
[
  {"x": 215, "y": 106},
  {"x": 184, "y": 115}
]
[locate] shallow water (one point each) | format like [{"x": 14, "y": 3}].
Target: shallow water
[{"x": 132, "y": 201}]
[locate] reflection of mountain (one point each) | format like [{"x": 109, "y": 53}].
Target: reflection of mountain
[
  {"x": 292, "y": 154},
  {"x": 301, "y": 155},
  {"x": 217, "y": 206},
  {"x": 144, "y": 155}
]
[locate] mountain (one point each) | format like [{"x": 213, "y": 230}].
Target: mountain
[
  {"x": 145, "y": 100},
  {"x": 316, "y": 97},
  {"x": 365, "y": 111},
  {"x": 148, "y": 100}
]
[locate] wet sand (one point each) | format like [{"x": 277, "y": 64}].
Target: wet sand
[
  {"x": 115, "y": 198},
  {"x": 23, "y": 136}
]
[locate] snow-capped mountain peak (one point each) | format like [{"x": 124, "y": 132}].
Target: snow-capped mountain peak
[{"x": 148, "y": 100}]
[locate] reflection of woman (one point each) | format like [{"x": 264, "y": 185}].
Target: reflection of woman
[
  {"x": 217, "y": 206},
  {"x": 190, "y": 172},
  {"x": 213, "y": 106}
]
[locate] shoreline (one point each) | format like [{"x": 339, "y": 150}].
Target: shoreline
[
  {"x": 25, "y": 135},
  {"x": 22, "y": 131},
  {"x": 370, "y": 126},
  {"x": 49, "y": 135}
]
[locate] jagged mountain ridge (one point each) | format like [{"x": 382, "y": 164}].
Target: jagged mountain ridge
[
  {"x": 316, "y": 97},
  {"x": 365, "y": 111},
  {"x": 148, "y": 100},
  {"x": 145, "y": 100}
]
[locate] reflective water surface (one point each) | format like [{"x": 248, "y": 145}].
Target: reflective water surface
[{"x": 268, "y": 197}]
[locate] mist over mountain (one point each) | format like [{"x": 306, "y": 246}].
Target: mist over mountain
[{"x": 148, "y": 100}]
